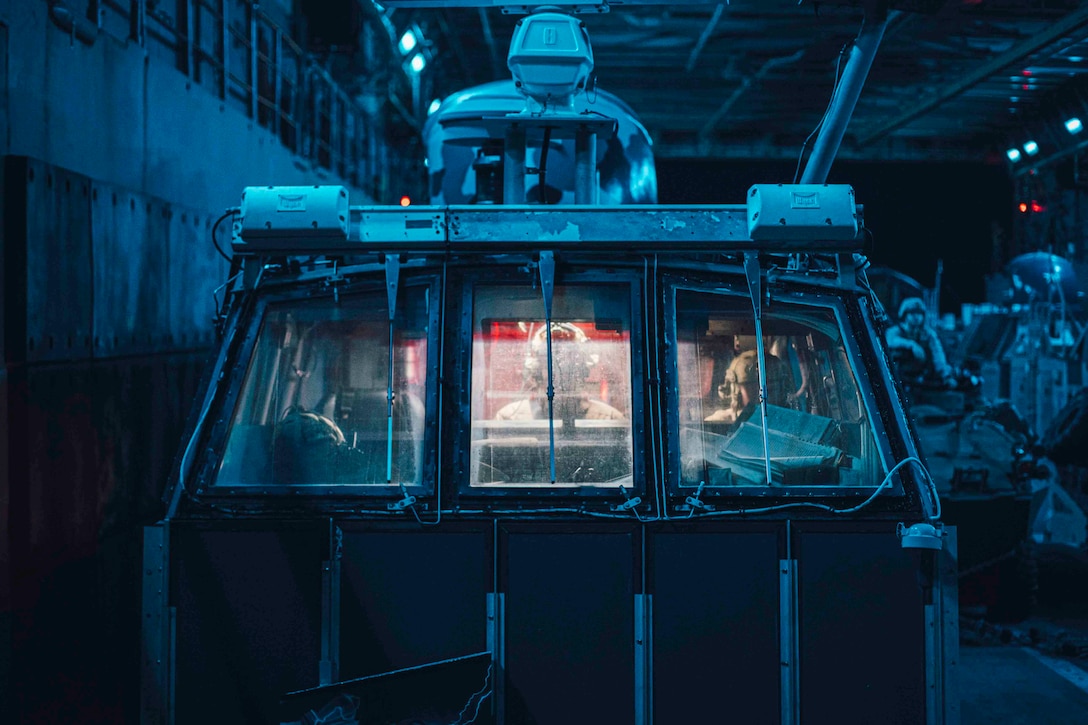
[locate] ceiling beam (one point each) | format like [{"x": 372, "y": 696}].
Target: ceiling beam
[{"x": 1031, "y": 45}]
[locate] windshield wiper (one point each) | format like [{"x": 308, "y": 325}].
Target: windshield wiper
[
  {"x": 392, "y": 280},
  {"x": 755, "y": 293},
  {"x": 546, "y": 267}
]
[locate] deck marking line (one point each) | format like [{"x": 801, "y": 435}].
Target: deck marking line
[{"x": 1067, "y": 670}]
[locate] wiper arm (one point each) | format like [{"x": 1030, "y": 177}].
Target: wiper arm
[
  {"x": 755, "y": 293},
  {"x": 546, "y": 267},
  {"x": 392, "y": 279}
]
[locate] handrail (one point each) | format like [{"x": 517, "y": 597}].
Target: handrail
[{"x": 243, "y": 56}]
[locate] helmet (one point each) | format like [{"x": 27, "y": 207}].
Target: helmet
[
  {"x": 911, "y": 304},
  {"x": 571, "y": 361},
  {"x": 744, "y": 368}
]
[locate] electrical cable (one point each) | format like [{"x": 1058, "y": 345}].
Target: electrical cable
[
  {"x": 886, "y": 483},
  {"x": 230, "y": 212},
  {"x": 484, "y": 691},
  {"x": 830, "y": 102}
]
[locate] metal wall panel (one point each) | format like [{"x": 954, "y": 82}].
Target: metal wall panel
[
  {"x": 58, "y": 258},
  {"x": 96, "y": 270},
  {"x": 569, "y": 624},
  {"x": 131, "y": 274},
  {"x": 862, "y": 643},
  {"x": 248, "y": 618},
  {"x": 715, "y": 626},
  {"x": 412, "y": 597},
  {"x": 193, "y": 260}
]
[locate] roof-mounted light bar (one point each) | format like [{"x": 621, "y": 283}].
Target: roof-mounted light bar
[{"x": 307, "y": 220}]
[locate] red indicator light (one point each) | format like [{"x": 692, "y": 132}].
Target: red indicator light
[
  {"x": 1023, "y": 206},
  {"x": 405, "y": 201},
  {"x": 1036, "y": 207}
]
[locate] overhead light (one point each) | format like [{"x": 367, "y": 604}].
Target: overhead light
[
  {"x": 435, "y": 105},
  {"x": 1013, "y": 154},
  {"x": 408, "y": 42},
  {"x": 1031, "y": 148},
  {"x": 418, "y": 62},
  {"x": 1073, "y": 125}
]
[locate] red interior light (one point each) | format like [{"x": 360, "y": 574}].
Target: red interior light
[
  {"x": 1023, "y": 206},
  {"x": 405, "y": 200}
]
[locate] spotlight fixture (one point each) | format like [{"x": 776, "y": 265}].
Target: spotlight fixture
[
  {"x": 1013, "y": 154},
  {"x": 1031, "y": 148},
  {"x": 417, "y": 63},
  {"x": 1074, "y": 126},
  {"x": 408, "y": 42}
]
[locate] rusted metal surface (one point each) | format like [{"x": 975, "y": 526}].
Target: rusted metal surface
[{"x": 91, "y": 445}]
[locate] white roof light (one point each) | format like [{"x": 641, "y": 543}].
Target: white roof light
[
  {"x": 1031, "y": 148},
  {"x": 1073, "y": 125},
  {"x": 418, "y": 62},
  {"x": 408, "y": 42},
  {"x": 1013, "y": 154}
]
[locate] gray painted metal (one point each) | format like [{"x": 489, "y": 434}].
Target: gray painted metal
[
  {"x": 675, "y": 228},
  {"x": 845, "y": 98},
  {"x": 946, "y": 593},
  {"x": 788, "y": 642},
  {"x": 513, "y": 180},
  {"x": 496, "y": 642},
  {"x": 329, "y": 665},
  {"x": 59, "y": 289},
  {"x": 643, "y": 678},
  {"x": 629, "y": 225},
  {"x": 131, "y": 273},
  {"x": 156, "y": 696},
  {"x": 122, "y": 113},
  {"x": 110, "y": 271}
]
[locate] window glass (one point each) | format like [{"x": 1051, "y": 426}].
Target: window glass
[
  {"x": 585, "y": 429},
  {"x": 314, "y": 407},
  {"x": 817, "y": 431}
]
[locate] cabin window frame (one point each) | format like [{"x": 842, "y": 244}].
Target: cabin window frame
[
  {"x": 365, "y": 283},
  {"x": 527, "y": 276},
  {"x": 677, "y": 490}
]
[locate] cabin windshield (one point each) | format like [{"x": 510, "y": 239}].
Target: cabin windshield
[
  {"x": 818, "y": 431},
  {"x": 315, "y": 406},
  {"x": 581, "y": 436}
]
